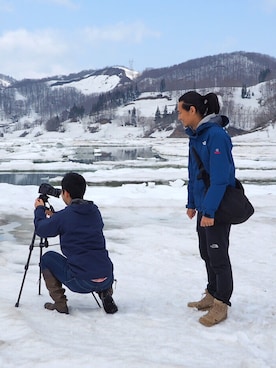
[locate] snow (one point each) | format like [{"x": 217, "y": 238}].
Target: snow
[
  {"x": 250, "y": 103},
  {"x": 93, "y": 84},
  {"x": 147, "y": 104},
  {"x": 131, "y": 74},
  {"x": 153, "y": 246},
  {"x": 4, "y": 83},
  {"x": 96, "y": 83},
  {"x": 19, "y": 96}
]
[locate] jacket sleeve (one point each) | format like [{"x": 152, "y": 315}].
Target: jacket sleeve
[
  {"x": 190, "y": 202},
  {"x": 46, "y": 227},
  {"x": 221, "y": 170}
]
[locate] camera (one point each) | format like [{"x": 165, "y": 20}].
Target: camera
[{"x": 46, "y": 189}]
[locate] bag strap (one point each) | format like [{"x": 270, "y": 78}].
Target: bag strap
[{"x": 203, "y": 174}]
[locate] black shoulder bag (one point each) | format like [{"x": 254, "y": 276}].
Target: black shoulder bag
[{"x": 235, "y": 207}]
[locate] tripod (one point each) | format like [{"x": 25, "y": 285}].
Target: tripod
[{"x": 42, "y": 244}]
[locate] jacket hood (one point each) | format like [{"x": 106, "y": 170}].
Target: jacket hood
[
  {"x": 220, "y": 120},
  {"x": 82, "y": 206}
]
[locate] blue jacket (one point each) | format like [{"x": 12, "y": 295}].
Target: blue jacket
[
  {"x": 214, "y": 147},
  {"x": 80, "y": 228}
]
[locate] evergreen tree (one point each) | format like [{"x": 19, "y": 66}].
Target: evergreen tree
[
  {"x": 76, "y": 112},
  {"x": 165, "y": 112},
  {"x": 157, "y": 118},
  {"x": 162, "y": 85},
  {"x": 133, "y": 117},
  {"x": 263, "y": 74},
  {"x": 53, "y": 124},
  {"x": 244, "y": 91}
]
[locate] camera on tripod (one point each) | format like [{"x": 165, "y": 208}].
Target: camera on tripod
[{"x": 46, "y": 189}]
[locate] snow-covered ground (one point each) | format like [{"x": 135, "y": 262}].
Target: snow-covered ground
[{"x": 154, "y": 249}]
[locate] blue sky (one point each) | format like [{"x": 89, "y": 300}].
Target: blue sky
[{"x": 41, "y": 38}]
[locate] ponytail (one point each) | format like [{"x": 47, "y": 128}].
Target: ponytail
[
  {"x": 205, "y": 105},
  {"x": 212, "y": 103}
]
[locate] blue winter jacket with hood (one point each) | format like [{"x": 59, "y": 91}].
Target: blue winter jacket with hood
[
  {"x": 80, "y": 228},
  {"x": 214, "y": 147}
]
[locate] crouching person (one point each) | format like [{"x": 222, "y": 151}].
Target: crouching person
[{"x": 84, "y": 265}]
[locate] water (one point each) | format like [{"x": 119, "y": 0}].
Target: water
[
  {"x": 27, "y": 178},
  {"x": 89, "y": 155},
  {"x": 85, "y": 155}
]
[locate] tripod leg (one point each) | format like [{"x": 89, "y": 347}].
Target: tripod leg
[
  {"x": 42, "y": 244},
  {"x": 26, "y": 269},
  {"x": 99, "y": 305},
  {"x": 40, "y": 272}
]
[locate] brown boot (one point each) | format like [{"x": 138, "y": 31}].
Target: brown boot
[
  {"x": 204, "y": 304},
  {"x": 56, "y": 292},
  {"x": 216, "y": 314}
]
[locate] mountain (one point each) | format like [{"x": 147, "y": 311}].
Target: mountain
[
  {"x": 225, "y": 70},
  {"x": 55, "y": 95},
  {"x": 245, "y": 83},
  {"x": 88, "y": 81},
  {"x": 6, "y": 81}
]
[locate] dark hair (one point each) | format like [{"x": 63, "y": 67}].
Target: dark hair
[
  {"x": 205, "y": 105},
  {"x": 74, "y": 184}
]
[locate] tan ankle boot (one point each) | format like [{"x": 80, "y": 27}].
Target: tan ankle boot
[
  {"x": 216, "y": 314},
  {"x": 56, "y": 292},
  {"x": 204, "y": 304}
]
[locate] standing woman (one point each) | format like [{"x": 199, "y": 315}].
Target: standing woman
[{"x": 199, "y": 116}]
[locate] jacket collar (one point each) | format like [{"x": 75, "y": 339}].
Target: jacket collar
[{"x": 207, "y": 122}]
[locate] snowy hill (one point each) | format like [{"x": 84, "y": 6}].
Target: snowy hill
[
  {"x": 95, "y": 82},
  {"x": 244, "y": 113},
  {"x": 124, "y": 98}
]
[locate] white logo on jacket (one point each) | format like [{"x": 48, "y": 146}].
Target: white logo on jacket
[{"x": 214, "y": 246}]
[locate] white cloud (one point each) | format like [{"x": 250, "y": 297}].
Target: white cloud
[
  {"x": 27, "y": 54},
  {"x": 47, "y": 52},
  {"x": 39, "y": 42},
  {"x": 120, "y": 32}
]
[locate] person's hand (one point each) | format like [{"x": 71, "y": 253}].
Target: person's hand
[
  {"x": 49, "y": 213},
  {"x": 207, "y": 221},
  {"x": 191, "y": 212},
  {"x": 38, "y": 202}
]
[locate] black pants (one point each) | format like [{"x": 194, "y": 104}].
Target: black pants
[{"x": 213, "y": 248}]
